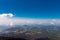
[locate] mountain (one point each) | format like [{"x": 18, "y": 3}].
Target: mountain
[
  {"x": 2, "y": 27},
  {"x": 35, "y": 31}
]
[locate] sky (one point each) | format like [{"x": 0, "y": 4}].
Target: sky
[
  {"x": 10, "y": 20},
  {"x": 41, "y": 9},
  {"x": 27, "y": 12}
]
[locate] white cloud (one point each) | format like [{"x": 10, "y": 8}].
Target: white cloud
[
  {"x": 6, "y": 15},
  {"x": 6, "y": 19}
]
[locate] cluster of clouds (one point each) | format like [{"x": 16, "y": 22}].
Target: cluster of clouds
[
  {"x": 5, "y": 18},
  {"x": 9, "y": 20},
  {"x": 4, "y": 15}
]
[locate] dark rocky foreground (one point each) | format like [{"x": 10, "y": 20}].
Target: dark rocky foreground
[{"x": 11, "y": 38}]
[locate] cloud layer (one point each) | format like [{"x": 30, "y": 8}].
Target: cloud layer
[{"x": 6, "y": 19}]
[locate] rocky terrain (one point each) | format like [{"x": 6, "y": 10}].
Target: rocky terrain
[{"x": 33, "y": 32}]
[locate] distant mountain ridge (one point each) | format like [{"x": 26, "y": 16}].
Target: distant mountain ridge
[{"x": 31, "y": 31}]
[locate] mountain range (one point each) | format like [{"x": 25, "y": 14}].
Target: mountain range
[{"x": 32, "y": 31}]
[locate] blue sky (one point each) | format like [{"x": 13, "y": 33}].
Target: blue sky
[{"x": 31, "y": 8}]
